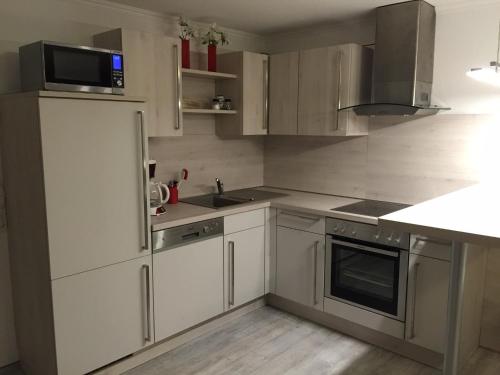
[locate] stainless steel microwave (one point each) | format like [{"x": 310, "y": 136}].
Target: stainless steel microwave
[{"x": 65, "y": 67}]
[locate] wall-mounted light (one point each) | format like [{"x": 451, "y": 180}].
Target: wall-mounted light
[{"x": 490, "y": 74}]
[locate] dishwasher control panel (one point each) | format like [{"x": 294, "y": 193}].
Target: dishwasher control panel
[{"x": 177, "y": 236}]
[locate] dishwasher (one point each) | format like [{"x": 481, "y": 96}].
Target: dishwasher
[{"x": 188, "y": 273}]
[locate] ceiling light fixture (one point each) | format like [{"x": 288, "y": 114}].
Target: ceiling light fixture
[{"x": 490, "y": 74}]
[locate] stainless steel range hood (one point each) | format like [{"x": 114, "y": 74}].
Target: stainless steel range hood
[{"x": 403, "y": 62}]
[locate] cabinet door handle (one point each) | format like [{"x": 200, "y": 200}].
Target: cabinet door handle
[
  {"x": 147, "y": 334},
  {"x": 300, "y": 216},
  {"x": 145, "y": 179},
  {"x": 339, "y": 92},
  {"x": 432, "y": 241},
  {"x": 265, "y": 124},
  {"x": 231, "y": 273},
  {"x": 315, "y": 273},
  {"x": 178, "y": 88},
  {"x": 414, "y": 301}
]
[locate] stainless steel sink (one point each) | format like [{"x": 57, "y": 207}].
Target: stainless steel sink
[
  {"x": 231, "y": 198},
  {"x": 215, "y": 200}
]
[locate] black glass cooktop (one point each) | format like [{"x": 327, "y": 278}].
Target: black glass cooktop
[{"x": 371, "y": 208}]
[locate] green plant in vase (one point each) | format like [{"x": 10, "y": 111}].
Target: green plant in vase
[
  {"x": 212, "y": 38},
  {"x": 186, "y": 33}
]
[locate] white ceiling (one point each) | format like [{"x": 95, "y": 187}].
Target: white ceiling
[{"x": 266, "y": 16}]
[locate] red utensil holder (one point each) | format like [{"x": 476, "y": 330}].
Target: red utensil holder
[{"x": 174, "y": 195}]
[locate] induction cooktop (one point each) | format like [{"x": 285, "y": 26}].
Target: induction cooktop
[{"x": 371, "y": 208}]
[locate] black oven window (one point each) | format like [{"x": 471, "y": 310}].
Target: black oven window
[
  {"x": 77, "y": 67},
  {"x": 366, "y": 278}
]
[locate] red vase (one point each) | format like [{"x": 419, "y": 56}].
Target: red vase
[
  {"x": 212, "y": 58},
  {"x": 186, "y": 63}
]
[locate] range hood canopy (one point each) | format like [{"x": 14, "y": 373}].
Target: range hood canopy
[{"x": 403, "y": 61}]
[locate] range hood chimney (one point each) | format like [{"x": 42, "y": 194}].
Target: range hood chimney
[{"x": 403, "y": 61}]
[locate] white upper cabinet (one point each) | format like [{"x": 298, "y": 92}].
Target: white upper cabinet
[
  {"x": 152, "y": 70},
  {"x": 249, "y": 93},
  {"x": 92, "y": 165},
  {"x": 308, "y": 89}
]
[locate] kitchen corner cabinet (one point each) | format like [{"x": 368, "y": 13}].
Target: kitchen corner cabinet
[
  {"x": 102, "y": 315},
  {"x": 427, "y": 305},
  {"x": 300, "y": 263},
  {"x": 248, "y": 92},
  {"x": 308, "y": 89},
  {"x": 152, "y": 70}
]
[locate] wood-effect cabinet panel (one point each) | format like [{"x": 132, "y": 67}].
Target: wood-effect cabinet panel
[
  {"x": 283, "y": 93},
  {"x": 92, "y": 164},
  {"x": 249, "y": 93},
  {"x": 244, "y": 220},
  {"x": 319, "y": 83},
  {"x": 300, "y": 264},
  {"x": 188, "y": 286},
  {"x": 427, "y": 306},
  {"x": 301, "y": 221},
  {"x": 102, "y": 315},
  {"x": 152, "y": 70},
  {"x": 310, "y": 89},
  {"x": 244, "y": 266}
]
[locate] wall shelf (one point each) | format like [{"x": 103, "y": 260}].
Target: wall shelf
[
  {"x": 206, "y": 74},
  {"x": 209, "y": 111}
]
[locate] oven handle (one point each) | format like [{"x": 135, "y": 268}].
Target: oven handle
[{"x": 394, "y": 254}]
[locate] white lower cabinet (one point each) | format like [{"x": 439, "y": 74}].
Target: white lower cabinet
[
  {"x": 188, "y": 286},
  {"x": 300, "y": 263},
  {"x": 101, "y": 316},
  {"x": 244, "y": 266},
  {"x": 427, "y": 302}
]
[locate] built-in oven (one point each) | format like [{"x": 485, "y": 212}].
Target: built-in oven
[{"x": 366, "y": 267}]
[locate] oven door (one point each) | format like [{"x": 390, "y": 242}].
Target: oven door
[
  {"x": 368, "y": 277},
  {"x": 77, "y": 69}
]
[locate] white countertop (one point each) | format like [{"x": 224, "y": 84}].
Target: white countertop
[
  {"x": 467, "y": 215},
  {"x": 318, "y": 204}
]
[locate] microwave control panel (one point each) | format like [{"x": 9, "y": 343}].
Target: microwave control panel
[{"x": 117, "y": 72}]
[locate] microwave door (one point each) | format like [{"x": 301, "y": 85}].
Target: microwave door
[{"x": 75, "y": 69}]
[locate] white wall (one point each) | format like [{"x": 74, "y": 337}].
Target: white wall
[
  {"x": 75, "y": 21},
  {"x": 466, "y": 37}
]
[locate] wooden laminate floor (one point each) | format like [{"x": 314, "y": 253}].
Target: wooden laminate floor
[{"x": 268, "y": 341}]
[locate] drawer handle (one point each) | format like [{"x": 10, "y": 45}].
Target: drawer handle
[
  {"x": 309, "y": 218},
  {"x": 434, "y": 241}
]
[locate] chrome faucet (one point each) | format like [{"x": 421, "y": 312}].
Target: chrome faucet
[{"x": 220, "y": 186}]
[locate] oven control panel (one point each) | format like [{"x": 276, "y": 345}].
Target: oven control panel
[{"x": 367, "y": 232}]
